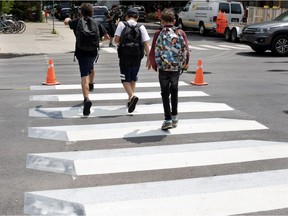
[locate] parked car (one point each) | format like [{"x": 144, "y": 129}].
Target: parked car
[
  {"x": 141, "y": 10},
  {"x": 100, "y": 14},
  {"x": 271, "y": 35},
  {"x": 64, "y": 13}
]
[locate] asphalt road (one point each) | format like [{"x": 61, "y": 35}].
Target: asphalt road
[{"x": 254, "y": 86}]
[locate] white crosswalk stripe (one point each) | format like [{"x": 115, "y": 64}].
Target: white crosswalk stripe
[
  {"x": 156, "y": 158},
  {"x": 200, "y": 47},
  {"x": 99, "y": 86},
  {"x": 100, "y": 111},
  {"x": 109, "y": 96},
  {"x": 219, "y": 195},
  {"x": 143, "y": 129},
  {"x": 225, "y": 194}
]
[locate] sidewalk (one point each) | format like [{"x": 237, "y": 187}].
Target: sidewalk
[{"x": 38, "y": 39}]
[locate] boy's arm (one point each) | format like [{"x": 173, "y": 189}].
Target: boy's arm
[
  {"x": 187, "y": 45},
  {"x": 152, "y": 51}
]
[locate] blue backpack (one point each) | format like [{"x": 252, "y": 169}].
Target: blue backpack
[{"x": 170, "y": 50}]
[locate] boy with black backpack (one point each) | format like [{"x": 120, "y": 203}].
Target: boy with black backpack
[
  {"x": 133, "y": 40},
  {"x": 169, "y": 56},
  {"x": 88, "y": 33}
]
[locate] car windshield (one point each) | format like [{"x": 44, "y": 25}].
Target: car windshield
[
  {"x": 282, "y": 17},
  {"x": 100, "y": 11},
  {"x": 139, "y": 8}
]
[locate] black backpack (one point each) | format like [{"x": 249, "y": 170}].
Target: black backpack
[
  {"x": 130, "y": 49},
  {"x": 87, "y": 34}
]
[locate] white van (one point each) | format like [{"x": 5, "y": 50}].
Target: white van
[{"x": 202, "y": 14}]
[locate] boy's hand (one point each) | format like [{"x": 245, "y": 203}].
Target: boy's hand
[{"x": 66, "y": 21}]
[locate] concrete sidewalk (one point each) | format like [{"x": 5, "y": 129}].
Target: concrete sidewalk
[{"x": 38, "y": 39}]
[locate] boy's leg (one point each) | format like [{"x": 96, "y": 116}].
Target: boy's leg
[
  {"x": 85, "y": 64},
  {"x": 174, "y": 92},
  {"x": 91, "y": 79},
  {"x": 165, "y": 92}
]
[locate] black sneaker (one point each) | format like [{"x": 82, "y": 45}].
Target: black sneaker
[
  {"x": 167, "y": 124},
  {"x": 87, "y": 106},
  {"x": 111, "y": 45},
  {"x": 132, "y": 104},
  {"x": 91, "y": 87}
]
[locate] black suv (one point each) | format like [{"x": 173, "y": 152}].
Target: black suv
[{"x": 271, "y": 35}]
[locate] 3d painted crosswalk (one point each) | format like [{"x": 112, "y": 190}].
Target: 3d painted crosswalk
[
  {"x": 110, "y": 96},
  {"x": 100, "y": 86},
  {"x": 100, "y": 111},
  {"x": 213, "y": 195},
  {"x": 143, "y": 129},
  {"x": 199, "y": 47},
  {"x": 219, "y": 195},
  {"x": 157, "y": 157}
]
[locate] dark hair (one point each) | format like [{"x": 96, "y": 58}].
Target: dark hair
[
  {"x": 135, "y": 16},
  {"x": 86, "y": 9},
  {"x": 168, "y": 15}
]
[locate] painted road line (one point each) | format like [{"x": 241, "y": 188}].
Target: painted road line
[
  {"x": 141, "y": 129},
  {"x": 99, "y": 86},
  {"x": 111, "y": 96},
  {"x": 242, "y": 45},
  {"x": 214, "y": 47},
  {"x": 156, "y": 158},
  {"x": 219, "y": 195},
  {"x": 234, "y": 47},
  {"x": 196, "y": 48},
  {"x": 101, "y": 111},
  {"x": 108, "y": 49}
]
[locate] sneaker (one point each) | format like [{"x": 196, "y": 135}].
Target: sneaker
[
  {"x": 132, "y": 104},
  {"x": 167, "y": 124},
  {"x": 174, "y": 121},
  {"x": 87, "y": 106},
  {"x": 111, "y": 45},
  {"x": 128, "y": 103},
  {"x": 91, "y": 87}
]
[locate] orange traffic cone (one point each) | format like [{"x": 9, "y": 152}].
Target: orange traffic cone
[
  {"x": 51, "y": 78},
  {"x": 199, "y": 79}
]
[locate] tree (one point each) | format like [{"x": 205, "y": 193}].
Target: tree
[{"x": 6, "y": 6}]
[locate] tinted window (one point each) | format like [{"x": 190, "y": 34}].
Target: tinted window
[
  {"x": 282, "y": 17},
  {"x": 235, "y": 9},
  {"x": 100, "y": 11},
  {"x": 224, "y": 7}
]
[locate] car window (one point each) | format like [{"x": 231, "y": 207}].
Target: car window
[
  {"x": 100, "y": 11},
  {"x": 282, "y": 17},
  {"x": 224, "y": 7},
  {"x": 235, "y": 9}
]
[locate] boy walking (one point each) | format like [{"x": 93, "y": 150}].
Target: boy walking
[
  {"x": 133, "y": 42},
  {"x": 88, "y": 33},
  {"x": 169, "y": 56}
]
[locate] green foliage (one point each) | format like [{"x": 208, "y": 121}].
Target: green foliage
[{"x": 6, "y": 6}]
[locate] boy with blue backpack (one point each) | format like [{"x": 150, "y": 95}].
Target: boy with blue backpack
[{"x": 169, "y": 56}]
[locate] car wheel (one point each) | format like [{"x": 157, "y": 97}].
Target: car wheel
[
  {"x": 259, "y": 49},
  {"x": 280, "y": 45},
  {"x": 227, "y": 34},
  {"x": 202, "y": 29},
  {"x": 234, "y": 37}
]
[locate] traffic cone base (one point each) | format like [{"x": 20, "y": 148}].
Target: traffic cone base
[
  {"x": 199, "y": 78},
  {"x": 51, "y": 78}
]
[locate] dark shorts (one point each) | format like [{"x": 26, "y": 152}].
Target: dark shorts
[
  {"x": 129, "y": 74},
  {"x": 86, "y": 64}
]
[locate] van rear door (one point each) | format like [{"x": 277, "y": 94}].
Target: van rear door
[{"x": 237, "y": 12}]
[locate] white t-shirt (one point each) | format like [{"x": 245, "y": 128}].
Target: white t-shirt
[{"x": 144, "y": 34}]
